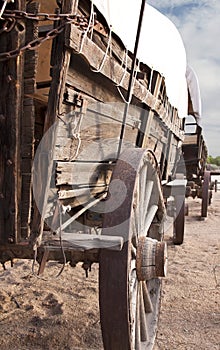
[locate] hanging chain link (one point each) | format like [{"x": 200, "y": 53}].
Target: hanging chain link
[
  {"x": 8, "y": 25},
  {"x": 18, "y": 14},
  {"x": 11, "y": 18}
]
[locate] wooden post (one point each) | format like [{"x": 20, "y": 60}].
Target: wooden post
[
  {"x": 28, "y": 123},
  {"x": 11, "y": 81},
  {"x": 45, "y": 165}
]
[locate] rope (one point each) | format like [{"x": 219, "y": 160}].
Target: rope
[
  {"x": 76, "y": 135},
  {"x": 125, "y": 58},
  {"x": 108, "y": 49},
  {"x": 133, "y": 83},
  {"x": 85, "y": 33}
]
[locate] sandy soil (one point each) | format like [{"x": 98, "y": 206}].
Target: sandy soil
[{"x": 62, "y": 313}]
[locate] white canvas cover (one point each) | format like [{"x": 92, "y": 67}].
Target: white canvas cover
[
  {"x": 160, "y": 47},
  {"x": 194, "y": 91}
]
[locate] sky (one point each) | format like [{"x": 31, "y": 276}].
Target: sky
[{"x": 198, "y": 24}]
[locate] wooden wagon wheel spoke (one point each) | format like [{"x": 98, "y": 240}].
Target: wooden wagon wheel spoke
[
  {"x": 146, "y": 185},
  {"x": 137, "y": 337},
  {"x": 129, "y": 283},
  {"x": 143, "y": 321},
  {"x": 146, "y": 297},
  {"x": 138, "y": 310}
]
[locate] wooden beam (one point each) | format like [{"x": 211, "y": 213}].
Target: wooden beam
[
  {"x": 81, "y": 241},
  {"x": 28, "y": 123},
  {"x": 11, "y": 81},
  {"x": 44, "y": 167}
]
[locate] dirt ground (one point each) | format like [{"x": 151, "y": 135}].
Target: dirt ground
[
  {"x": 190, "y": 307},
  {"x": 62, "y": 313}
]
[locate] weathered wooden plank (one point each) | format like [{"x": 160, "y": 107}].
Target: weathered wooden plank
[
  {"x": 113, "y": 71},
  {"x": 28, "y": 123},
  {"x": 115, "y": 112},
  {"x": 84, "y": 80},
  {"x": 26, "y": 150},
  {"x": 118, "y": 49},
  {"x": 92, "y": 148},
  {"x": 31, "y": 56},
  {"x": 77, "y": 241},
  {"x": 26, "y": 202},
  {"x": 66, "y": 194},
  {"x": 112, "y": 110},
  {"x": 98, "y": 135},
  {"x": 79, "y": 182},
  {"x": 29, "y": 86},
  {"x": 26, "y": 166},
  {"x": 87, "y": 174},
  {"x": 94, "y": 56},
  {"x": 45, "y": 166}
]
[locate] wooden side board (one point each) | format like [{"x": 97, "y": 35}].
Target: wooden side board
[{"x": 114, "y": 72}]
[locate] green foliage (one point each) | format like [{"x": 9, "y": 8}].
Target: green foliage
[{"x": 214, "y": 160}]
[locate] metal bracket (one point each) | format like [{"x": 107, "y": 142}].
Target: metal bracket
[{"x": 76, "y": 100}]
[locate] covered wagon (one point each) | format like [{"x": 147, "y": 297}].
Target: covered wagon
[{"x": 93, "y": 100}]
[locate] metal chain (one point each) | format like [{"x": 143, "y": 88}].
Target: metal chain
[
  {"x": 77, "y": 20},
  {"x": 43, "y": 16},
  {"x": 8, "y": 25}
]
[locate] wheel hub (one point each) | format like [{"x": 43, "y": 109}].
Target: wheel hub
[{"x": 151, "y": 260}]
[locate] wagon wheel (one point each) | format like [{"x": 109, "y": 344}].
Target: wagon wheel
[
  {"x": 205, "y": 194},
  {"x": 128, "y": 280},
  {"x": 179, "y": 220}
]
